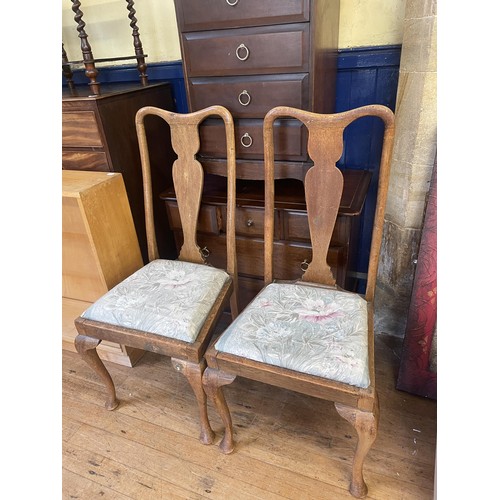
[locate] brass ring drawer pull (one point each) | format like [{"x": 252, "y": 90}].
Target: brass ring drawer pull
[
  {"x": 304, "y": 265},
  {"x": 249, "y": 140},
  {"x": 232, "y": 4},
  {"x": 244, "y": 98},
  {"x": 205, "y": 252},
  {"x": 243, "y": 49}
]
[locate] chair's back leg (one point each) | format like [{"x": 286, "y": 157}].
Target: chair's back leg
[
  {"x": 213, "y": 380},
  {"x": 194, "y": 372}
]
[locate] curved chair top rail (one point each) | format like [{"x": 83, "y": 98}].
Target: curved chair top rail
[
  {"x": 188, "y": 175},
  {"x": 323, "y": 185}
]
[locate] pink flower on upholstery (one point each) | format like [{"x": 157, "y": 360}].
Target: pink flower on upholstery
[
  {"x": 317, "y": 311},
  {"x": 264, "y": 303}
]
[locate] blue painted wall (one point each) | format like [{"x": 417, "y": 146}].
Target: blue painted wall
[{"x": 367, "y": 75}]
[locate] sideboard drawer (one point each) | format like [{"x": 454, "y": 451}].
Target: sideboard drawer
[
  {"x": 83, "y": 160},
  {"x": 248, "y": 51},
  {"x": 249, "y": 221},
  {"x": 250, "y": 96},
  {"x": 80, "y": 130},
  {"x": 287, "y": 258},
  {"x": 296, "y": 228},
  {"x": 196, "y": 15},
  {"x": 209, "y": 218},
  {"x": 290, "y": 138}
]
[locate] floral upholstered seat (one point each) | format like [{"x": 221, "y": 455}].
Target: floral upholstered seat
[
  {"x": 166, "y": 297},
  {"x": 308, "y": 329}
]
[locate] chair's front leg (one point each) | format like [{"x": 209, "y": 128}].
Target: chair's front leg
[
  {"x": 194, "y": 372},
  {"x": 366, "y": 425},
  {"x": 87, "y": 348},
  {"x": 213, "y": 380}
]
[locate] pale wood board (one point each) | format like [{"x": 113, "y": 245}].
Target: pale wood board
[{"x": 109, "y": 351}]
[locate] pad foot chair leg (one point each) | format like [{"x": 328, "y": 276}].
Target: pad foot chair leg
[
  {"x": 213, "y": 380},
  {"x": 366, "y": 425},
  {"x": 87, "y": 348},
  {"x": 194, "y": 372}
]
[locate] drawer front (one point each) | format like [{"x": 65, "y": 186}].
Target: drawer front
[
  {"x": 287, "y": 257},
  {"x": 247, "y": 51},
  {"x": 80, "y": 130},
  {"x": 296, "y": 227},
  {"x": 196, "y": 15},
  {"x": 251, "y": 96},
  {"x": 290, "y": 140},
  {"x": 82, "y": 160},
  {"x": 248, "y": 221},
  {"x": 209, "y": 219}
]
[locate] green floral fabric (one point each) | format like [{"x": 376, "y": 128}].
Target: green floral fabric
[
  {"x": 167, "y": 297},
  {"x": 308, "y": 329}
]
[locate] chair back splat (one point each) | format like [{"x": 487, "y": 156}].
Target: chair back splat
[
  {"x": 323, "y": 186},
  {"x": 309, "y": 335},
  {"x": 170, "y": 307}
]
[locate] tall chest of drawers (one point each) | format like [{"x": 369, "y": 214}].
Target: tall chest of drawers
[{"x": 250, "y": 56}]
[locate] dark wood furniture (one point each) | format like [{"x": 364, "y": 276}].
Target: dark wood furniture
[
  {"x": 300, "y": 347},
  {"x": 98, "y": 133},
  {"x": 250, "y": 57},
  {"x": 292, "y": 246},
  {"x": 138, "y": 312}
]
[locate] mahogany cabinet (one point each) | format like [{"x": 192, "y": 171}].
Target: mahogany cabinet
[
  {"x": 98, "y": 134},
  {"x": 251, "y": 56}
]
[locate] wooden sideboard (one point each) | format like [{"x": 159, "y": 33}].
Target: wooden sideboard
[
  {"x": 292, "y": 247},
  {"x": 99, "y": 249},
  {"x": 99, "y": 134}
]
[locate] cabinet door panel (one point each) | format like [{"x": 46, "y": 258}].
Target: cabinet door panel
[
  {"x": 290, "y": 138},
  {"x": 247, "y": 51},
  {"x": 196, "y": 15},
  {"x": 251, "y": 96}
]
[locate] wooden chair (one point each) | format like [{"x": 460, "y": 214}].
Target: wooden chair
[
  {"x": 170, "y": 306},
  {"x": 310, "y": 336}
]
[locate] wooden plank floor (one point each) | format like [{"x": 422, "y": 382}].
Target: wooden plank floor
[{"x": 289, "y": 446}]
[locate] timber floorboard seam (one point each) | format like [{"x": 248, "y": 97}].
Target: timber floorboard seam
[{"x": 148, "y": 448}]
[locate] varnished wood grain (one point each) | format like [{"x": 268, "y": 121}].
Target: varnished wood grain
[
  {"x": 147, "y": 447},
  {"x": 95, "y": 258}
]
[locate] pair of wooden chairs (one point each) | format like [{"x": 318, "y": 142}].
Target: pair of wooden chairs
[{"x": 308, "y": 336}]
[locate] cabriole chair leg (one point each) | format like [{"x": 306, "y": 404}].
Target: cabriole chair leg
[
  {"x": 194, "y": 372},
  {"x": 366, "y": 425},
  {"x": 87, "y": 348},
  {"x": 213, "y": 380}
]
